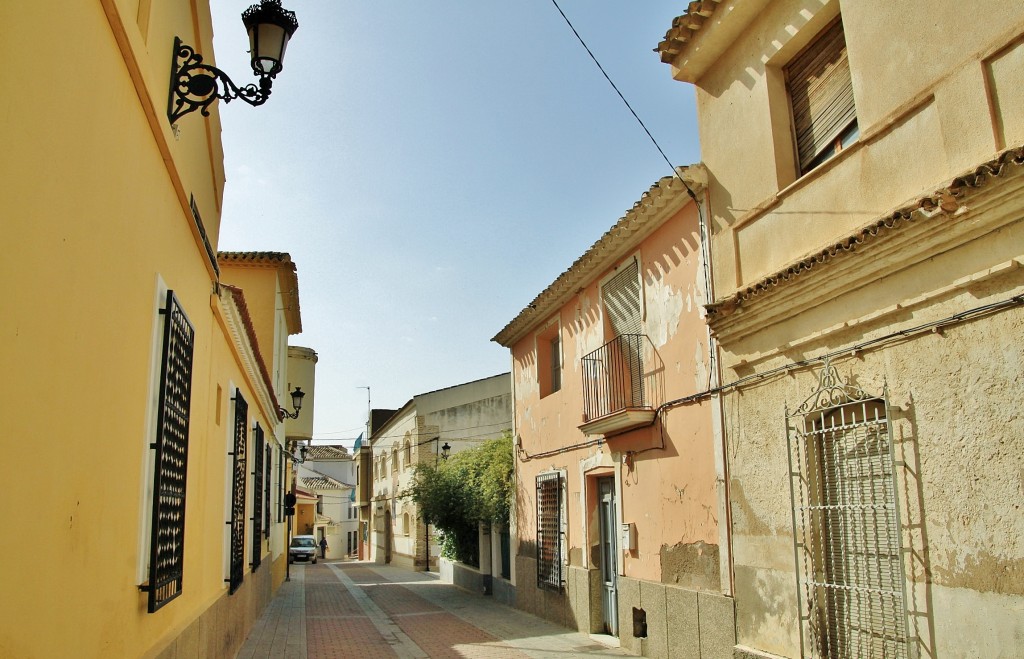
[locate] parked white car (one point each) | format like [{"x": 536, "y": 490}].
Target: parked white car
[{"x": 303, "y": 548}]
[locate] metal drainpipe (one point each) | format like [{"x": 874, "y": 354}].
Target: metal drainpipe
[{"x": 726, "y": 571}]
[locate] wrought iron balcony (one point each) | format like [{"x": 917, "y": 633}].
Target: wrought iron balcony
[{"x": 616, "y": 396}]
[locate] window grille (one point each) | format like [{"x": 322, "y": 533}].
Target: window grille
[
  {"x": 167, "y": 542},
  {"x": 280, "y": 485},
  {"x": 549, "y": 531},
  {"x": 257, "y": 497},
  {"x": 266, "y": 493},
  {"x": 237, "y": 522},
  {"x": 847, "y": 536}
]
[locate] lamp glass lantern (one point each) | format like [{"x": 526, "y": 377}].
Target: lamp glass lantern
[
  {"x": 269, "y": 27},
  {"x": 297, "y": 397}
]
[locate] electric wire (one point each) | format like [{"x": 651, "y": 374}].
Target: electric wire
[
  {"x": 892, "y": 337},
  {"x": 583, "y": 43}
]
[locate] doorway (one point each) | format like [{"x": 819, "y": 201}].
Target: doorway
[
  {"x": 388, "y": 536},
  {"x": 609, "y": 555}
]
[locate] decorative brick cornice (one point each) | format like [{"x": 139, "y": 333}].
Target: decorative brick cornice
[{"x": 945, "y": 200}]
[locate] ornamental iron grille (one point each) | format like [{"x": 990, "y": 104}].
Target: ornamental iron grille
[
  {"x": 167, "y": 543},
  {"x": 269, "y": 485},
  {"x": 549, "y": 531},
  {"x": 237, "y": 523},
  {"x": 257, "y": 497},
  {"x": 613, "y": 377},
  {"x": 847, "y": 536},
  {"x": 280, "y": 484}
]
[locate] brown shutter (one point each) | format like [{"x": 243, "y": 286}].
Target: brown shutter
[
  {"x": 622, "y": 300},
  {"x": 821, "y": 94}
]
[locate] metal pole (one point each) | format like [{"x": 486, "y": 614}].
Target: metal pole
[{"x": 288, "y": 556}]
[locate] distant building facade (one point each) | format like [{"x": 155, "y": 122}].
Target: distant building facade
[
  {"x": 329, "y": 473},
  {"x": 461, "y": 416}
]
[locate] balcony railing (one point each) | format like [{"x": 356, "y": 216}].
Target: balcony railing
[{"x": 615, "y": 397}]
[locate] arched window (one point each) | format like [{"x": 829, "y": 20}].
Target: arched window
[
  {"x": 407, "y": 450},
  {"x": 394, "y": 458},
  {"x": 405, "y": 523}
]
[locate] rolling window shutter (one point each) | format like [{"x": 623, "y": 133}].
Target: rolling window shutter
[
  {"x": 821, "y": 94},
  {"x": 622, "y": 300}
]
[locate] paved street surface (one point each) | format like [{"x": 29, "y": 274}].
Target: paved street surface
[{"x": 348, "y": 609}]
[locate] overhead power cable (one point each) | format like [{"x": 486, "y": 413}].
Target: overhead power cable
[{"x": 612, "y": 83}]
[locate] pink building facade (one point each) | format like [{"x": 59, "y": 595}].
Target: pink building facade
[{"x": 620, "y": 491}]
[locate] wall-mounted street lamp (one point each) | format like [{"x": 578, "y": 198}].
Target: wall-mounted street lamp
[
  {"x": 445, "y": 450},
  {"x": 297, "y": 397},
  {"x": 194, "y": 85}
]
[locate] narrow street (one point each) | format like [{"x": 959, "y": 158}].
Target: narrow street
[{"x": 351, "y": 609}]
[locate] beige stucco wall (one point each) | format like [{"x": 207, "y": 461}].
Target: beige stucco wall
[
  {"x": 925, "y": 114},
  {"x": 301, "y": 372}
]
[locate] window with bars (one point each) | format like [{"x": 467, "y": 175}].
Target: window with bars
[
  {"x": 821, "y": 98},
  {"x": 257, "y": 497},
  {"x": 236, "y": 556},
  {"x": 549, "y": 531},
  {"x": 280, "y": 485},
  {"x": 167, "y": 541},
  {"x": 269, "y": 486},
  {"x": 848, "y": 541}
]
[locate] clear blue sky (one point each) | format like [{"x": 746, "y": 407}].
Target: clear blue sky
[{"x": 432, "y": 166}]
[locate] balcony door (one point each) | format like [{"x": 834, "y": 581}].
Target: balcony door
[{"x": 621, "y": 298}]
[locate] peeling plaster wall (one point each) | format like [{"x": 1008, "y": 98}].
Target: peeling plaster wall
[
  {"x": 957, "y": 427},
  {"x": 668, "y": 493}
]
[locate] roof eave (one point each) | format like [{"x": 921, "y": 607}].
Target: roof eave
[{"x": 654, "y": 207}]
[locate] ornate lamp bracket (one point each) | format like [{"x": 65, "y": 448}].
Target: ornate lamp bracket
[{"x": 194, "y": 85}]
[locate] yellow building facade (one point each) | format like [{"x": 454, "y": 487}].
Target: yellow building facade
[
  {"x": 866, "y": 184},
  {"x": 127, "y": 358}
]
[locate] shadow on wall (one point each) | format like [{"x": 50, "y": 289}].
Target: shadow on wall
[{"x": 920, "y": 608}]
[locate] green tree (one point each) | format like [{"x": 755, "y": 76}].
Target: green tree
[{"x": 454, "y": 495}]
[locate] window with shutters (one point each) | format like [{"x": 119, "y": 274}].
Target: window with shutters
[
  {"x": 236, "y": 544},
  {"x": 549, "y": 359},
  {"x": 167, "y": 541},
  {"x": 257, "y": 497},
  {"x": 847, "y": 539},
  {"x": 267, "y": 489},
  {"x": 280, "y": 484},
  {"x": 821, "y": 98},
  {"x": 550, "y": 518}
]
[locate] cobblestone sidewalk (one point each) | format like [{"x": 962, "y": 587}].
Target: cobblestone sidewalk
[{"x": 340, "y": 610}]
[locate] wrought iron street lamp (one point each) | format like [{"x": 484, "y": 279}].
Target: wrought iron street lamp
[
  {"x": 194, "y": 85},
  {"x": 445, "y": 450},
  {"x": 297, "y": 397}
]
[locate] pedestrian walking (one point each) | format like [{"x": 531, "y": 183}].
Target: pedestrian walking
[{"x": 323, "y": 547}]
